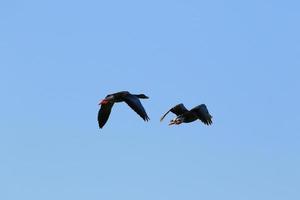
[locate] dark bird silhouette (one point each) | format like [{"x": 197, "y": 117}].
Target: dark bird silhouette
[
  {"x": 184, "y": 115},
  {"x": 131, "y": 99}
]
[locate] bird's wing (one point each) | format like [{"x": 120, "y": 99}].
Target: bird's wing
[
  {"x": 104, "y": 113},
  {"x": 136, "y": 105},
  {"x": 177, "y": 110},
  {"x": 203, "y": 114}
]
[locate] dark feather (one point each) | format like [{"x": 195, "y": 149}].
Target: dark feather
[
  {"x": 202, "y": 112},
  {"x": 136, "y": 105},
  {"x": 104, "y": 113},
  {"x": 177, "y": 110}
]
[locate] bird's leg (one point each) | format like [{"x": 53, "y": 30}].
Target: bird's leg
[{"x": 175, "y": 121}]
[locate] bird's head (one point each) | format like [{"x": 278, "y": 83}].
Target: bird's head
[
  {"x": 107, "y": 99},
  {"x": 176, "y": 121},
  {"x": 142, "y": 96}
]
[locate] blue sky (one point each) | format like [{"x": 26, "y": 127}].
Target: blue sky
[{"x": 240, "y": 58}]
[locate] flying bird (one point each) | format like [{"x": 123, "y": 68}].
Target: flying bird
[
  {"x": 184, "y": 115},
  {"x": 132, "y": 101}
]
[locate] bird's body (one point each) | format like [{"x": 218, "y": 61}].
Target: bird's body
[
  {"x": 184, "y": 115},
  {"x": 131, "y": 99}
]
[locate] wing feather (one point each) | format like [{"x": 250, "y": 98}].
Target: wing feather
[
  {"x": 177, "y": 110},
  {"x": 136, "y": 105},
  {"x": 202, "y": 112},
  {"x": 104, "y": 113}
]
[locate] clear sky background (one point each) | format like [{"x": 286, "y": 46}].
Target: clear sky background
[{"x": 240, "y": 58}]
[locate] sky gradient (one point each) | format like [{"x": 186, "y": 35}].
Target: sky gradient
[{"x": 59, "y": 58}]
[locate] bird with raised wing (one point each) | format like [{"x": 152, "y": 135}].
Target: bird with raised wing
[
  {"x": 184, "y": 115},
  {"x": 132, "y": 101}
]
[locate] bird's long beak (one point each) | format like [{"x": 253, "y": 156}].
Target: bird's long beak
[{"x": 104, "y": 101}]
